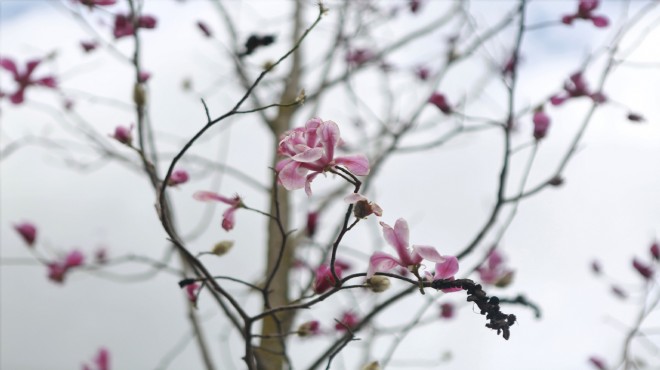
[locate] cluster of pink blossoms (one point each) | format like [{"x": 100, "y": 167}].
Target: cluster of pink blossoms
[
  {"x": 312, "y": 149},
  {"x": 24, "y": 79},
  {"x": 577, "y": 87}
]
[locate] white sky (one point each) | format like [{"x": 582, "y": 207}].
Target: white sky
[{"x": 608, "y": 209}]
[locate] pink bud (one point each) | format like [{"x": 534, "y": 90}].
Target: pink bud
[
  {"x": 324, "y": 281},
  {"x": 541, "y": 124},
  {"x": 440, "y": 101},
  {"x": 645, "y": 270},
  {"x": 178, "y": 177},
  {"x": 123, "y": 134},
  {"x": 600, "y": 21},
  {"x": 191, "y": 292},
  {"x": 655, "y": 251},
  {"x": 147, "y": 21},
  {"x": 73, "y": 259},
  {"x": 598, "y": 363},
  {"x": 309, "y": 328},
  {"x": 144, "y": 76},
  {"x": 27, "y": 231},
  {"x": 447, "y": 310},
  {"x": 348, "y": 321},
  {"x": 422, "y": 73}
]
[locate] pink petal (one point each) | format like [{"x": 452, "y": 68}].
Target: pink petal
[
  {"x": 446, "y": 269},
  {"x": 309, "y": 155},
  {"x": 103, "y": 359},
  {"x": 354, "y": 198},
  {"x": 381, "y": 262},
  {"x": 9, "y": 65},
  {"x": 600, "y": 21},
  {"x": 428, "y": 253},
  {"x": 329, "y": 138},
  {"x": 292, "y": 176},
  {"x": 308, "y": 183},
  {"x": 228, "y": 218},
  {"x": 357, "y": 164},
  {"x": 398, "y": 238},
  {"x": 73, "y": 259},
  {"x": 206, "y": 196}
]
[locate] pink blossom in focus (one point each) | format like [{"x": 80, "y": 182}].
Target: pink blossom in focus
[
  {"x": 362, "y": 206},
  {"x": 24, "y": 78},
  {"x": 178, "y": 177},
  {"x": 645, "y": 270},
  {"x": 440, "y": 101},
  {"x": 447, "y": 310},
  {"x": 89, "y": 46},
  {"x": 312, "y": 149},
  {"x": 494, "y": 271},
  {"x": 204, "y": 28},
  {"x": 228, "y": 216},
  {"x": 349, "y": 321},
  {"x": 323, "y": 279},
  {"x": 585, "y": 11},
  {"x": 123, "y": 134},
  {"x": 541, "y": 123},
  {"x": 409, "y": 258},
  {"x": 27, "y": 231}
]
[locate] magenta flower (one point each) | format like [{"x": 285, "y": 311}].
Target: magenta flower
[
  {"x": 123, "y": 134},
  {"x": 204, "y": 28},
  {"x": 576, "y": 87},
  {"x": 27, "y": 231},
  {"x": 357, "y": 57},
  {"x": 494, "y": 271},
  {"x": 323, "y": 279},
  {"x": 643, "y": 269},
  {"x": 144, "y": 76},
  {"x": 585, "y": 11},
  {"x": 24, "y": 79},
  {"x": 447, "y": 310},
  {"x": 191, "y": 292},
  {"x": 541, "y": 123},
  {"x": 349, "y": 321},
  {"x": 312, "y": 148},
  {"x": 227, "y": 217},
  {"x": 441, "y": 102},
  {"x": 92, "y": 3},
  {"x": 57, "y": 270},
  {"x": 309, "y": 328},
  {"x": 102, "y": 360},
  {"x": 124, "y": 24},
  {"x": 409, "y": 258},
  {"x": 362, "y": 206},
  {"x": 178, "y": 177}
]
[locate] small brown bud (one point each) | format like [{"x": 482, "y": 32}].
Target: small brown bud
[
  {"x": 378, "y": 284},
  {"x": 372, "y": 366},
  {"x": 222, "y": 247}
]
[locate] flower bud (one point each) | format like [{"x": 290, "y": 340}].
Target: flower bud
[
  {"x": 655, "y": 251},
  {"x": 308, "y": 329},
  {"x": 139, "y": 95},
  {"x": 447, "y": 310},
  {"x": 643, "y": 269},
  {"x": 178, "y": 177},
  {"x": 123, "y": 134},
  {"x": 441, "y": 102},
  {"x": 378, "y": 283},
  {"x": 222, "y": 247},
  {"x": 541, "y": 123},
  {"x": 505, "y": 280},
  {"x": 27, "y": 231},
  {"x": 372, "y": 366}
]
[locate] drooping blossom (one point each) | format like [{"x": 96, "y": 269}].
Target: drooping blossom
[
  {"x": 598, "y": 362},
  {"x": 577, "y": 87},
  {"x": 89, "y": 46},
  {"x": 643, "y": 269},
  {"x": 57, "y": 270},
  {"x": 24, "y": 78},
  {"x": 204, "y": 28},
  {"x": 178, "y": 177},
  {"x": 362, "y": 206},
  {"x": 191, "y": 292},
  {"x": 447, "y": 310},
  {"x": 585, "y": 11},
  {"x": 101, "y": 361},
  {"x": 312, "y": 149},
  {"x": 123, "y": 25},
  {"x": 357, "y": 57},
  {"x": 440, "y": 101},
  {"x": 409, "y": 258},
  {"x": 494, "y": 271},
  {"x": 312, "y": 224},
  {"x": 27, "y": 231},
  {"x": 541, "y": 123},
  {"x": 228, "y": 216},
  {"x": 349, "y": 321},
  {"x": 309, "y": 328},
  {"x": 323, "y": 279},
  {"x": 123, "y": 134},
  {"x": 446, "y": 271}
]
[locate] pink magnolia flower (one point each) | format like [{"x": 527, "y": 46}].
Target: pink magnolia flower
[
  {"x": 89, "y": 46},
  {"x": 357, "y": 57},
  {"x": 494, "y": 271},
  {"x": 409, "y": 258},
  {"x": 440, "y": 101},
  {"x": 576, "y": 87},
  {"x": 178, "y": 177},
  {"x": 204, "y": 28},
  {"x": 123, "y": 134},
  {"x": 124, "y": 24},
  {"x": 585, "y": 11},
  {"x": 57, "y": 270},
  {"x": 27, "y": 231},
  {"x": 102, "y": 360},
  {"x": 227, "y": 217},
  {"x": 541, "y": 123},
  {"x": 362, "y": 206},
  {"x": 24, "y": 78},
  {"x": 643, "y": 269},
  {"x": 323, "y": 279},
  {"x": 312, "y": 148},
  {"x": 349, "y": 321},
  {"x": 447, "y": 310}
]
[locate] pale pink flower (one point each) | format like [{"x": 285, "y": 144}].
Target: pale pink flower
[
  {"x": 144, "y": 76},
  {"x": 27, "y": 231},
  {"x": 409, "y": 258},
  {"x": 362, "y": 206},
  {"x": 228, "y": 216},
  {"x": 178, "y": 177},
  {"x": 585, "y": 11},
  {"x": 312, "y": 149},
  {"x": 24, "y": 78}
]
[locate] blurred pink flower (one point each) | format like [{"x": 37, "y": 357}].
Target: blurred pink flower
[
  {"x": 323, "y": 279},
  {"x": 349, "y": 321},
  {"x": 577, "y": 87},
  {"x": 447, "y": 310},
  {"x": 24, "y": 79},
  {"x": 123, "y": 134},
  {"x": 357, "y": 57},
  {"x": 312, "y": 223},
  {"x": 178, "y": 177},
  {"x": 309, "y": 328},
  {"x": 228, "y": 216},
  {"x": 57, "y": 270},
  {"x": 494, "y": 271},
  {"x": 655, "y": 251},
  {"x": 191, "y": 292},
  {"x": 643, "y": 269},
  {"x": 598, "y": 362},
  {"x": 102, "y": 360},
  {"x": 423, "y": 73},
  {"x": 409, "y": 258},
  {"x": 89, "y": 46},
  {"x": 27, "y": 231},
  {"x": 312, "y": 148},
  {"x": 144, "y": 76},
  {"x": 440, "y": 101},
  {"x": 541, "y": 123},
  {"x": 123, "y": 25},
  {"x": 585, "y": 11}
]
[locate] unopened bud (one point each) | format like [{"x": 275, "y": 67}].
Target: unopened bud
[
  {"x": 309, "y": 328},
  {"x": 372, "y": 366},
  {"x": 139, "y": 96},
  {"x": 556, "y": 181},
  {"x": 378, "y": 284},
  {"x": 222, "y": 247},
  {"x": 505, "y": 280}
]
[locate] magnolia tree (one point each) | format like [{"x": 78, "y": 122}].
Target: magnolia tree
[{"x": 368, "y": 159}]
